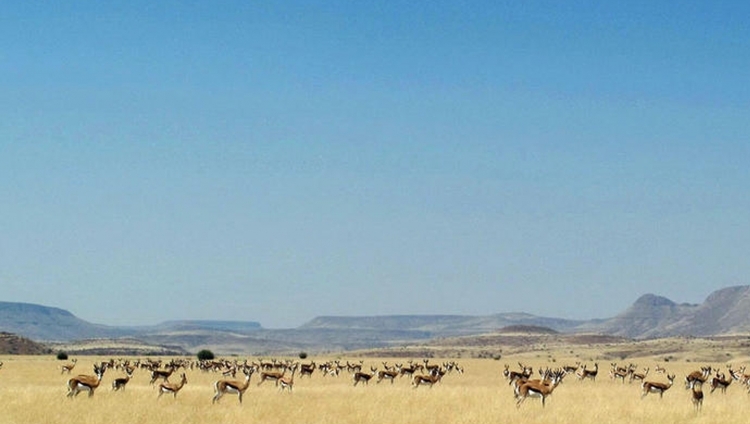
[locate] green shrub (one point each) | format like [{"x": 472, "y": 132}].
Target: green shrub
[
  {"x": 62, "y": 356},
  {"x": 205, "y": 355}
]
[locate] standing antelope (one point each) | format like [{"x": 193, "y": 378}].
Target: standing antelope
[
  {"x": 538, "y": 388},
  {"x": 307, "y": 369},
  {"x": 699, "y": 376},
  {"x": 288, "y": 383},
  {"x": 615, "y": 373},
  {"x": 271, "y": 375},
  {"x": 67, "y": 368},
  {"x": 590, "y": 374},
  {"x": 159, "y": 374},
  {"x": 720, "y": 382},
  {"x": 119, "y": 383},
  {"x": 638, "y": 376},
  {"x": 660, "y": 388},
  {"x": 387, "y": 374},
  {"x": 171, "y": 387},
  {"x": 223, "y": 387},
  {"x": 86, "y": 383},
  {"x": 697, "y": 396},
  {"x": 363, "y": 377},
  {"x": 430, "y": 380}
]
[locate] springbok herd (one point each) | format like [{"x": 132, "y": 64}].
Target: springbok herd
[
  {"x": 233, "y": 377},
  {"x": 525, "y": 386},
  {"x": 280, "y": 372}
]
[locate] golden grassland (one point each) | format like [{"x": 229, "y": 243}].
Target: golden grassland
[{"x": 33, "y": 390}]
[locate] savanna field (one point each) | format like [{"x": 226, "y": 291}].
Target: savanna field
[{"x": 33, "y": 389}]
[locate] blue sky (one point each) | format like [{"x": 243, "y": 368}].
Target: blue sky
[{"x": 276, "y": 161}]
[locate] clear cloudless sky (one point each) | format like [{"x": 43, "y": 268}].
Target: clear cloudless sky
[{"x": 280, "y": 160}]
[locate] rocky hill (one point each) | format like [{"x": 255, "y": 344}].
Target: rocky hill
[
  {"x": 11, "y": 344},
  {"x": 724, "y": 312}
]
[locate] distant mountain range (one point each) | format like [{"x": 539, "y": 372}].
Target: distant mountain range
[{"x": 724, "y": 312}]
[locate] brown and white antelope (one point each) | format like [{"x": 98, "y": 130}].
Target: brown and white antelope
[
  {"x": 307, "y": 369},
  {"x": 584, "y": 373},
  {"x": 363, "y": 377},
  {"x": 387, "y": 374},
  {"x": 638, "y": 376},
  {"x": 223, "y": 387},
  {"x": 538, "y": 388},
  {"x": 410, "y": 370},
  {"x": 696, "y": 395},
  {"x": 615, "y": 374},
  {"x": 287, "y": 383},
  {"x": 67, "y": 368},
  {"x": 172, "y": 388},
  {"x": 656, "y": 387},
  {"x": 86, "y": 383},
  {"x": 429, "y": 380},
  {"x": 697, "y": 376},
  {"x": 274, "y": 376},
  {"x": 513, "y": 376},
  {"x": 720, "y": 382},
  {"x": 120, "y": 383},
  {"x": 162, "y": 374}
]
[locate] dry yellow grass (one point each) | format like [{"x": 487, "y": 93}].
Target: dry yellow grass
[{"x": 33, "y": 390}]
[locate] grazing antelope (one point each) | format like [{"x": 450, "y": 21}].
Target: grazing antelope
[
  {"x": 538, "y": 389},
  {"x": 660, "y": 370},
  {"x": 223, "y": 387},
  {"x": 697, "y": 396},
  {"x": 287, "y": 383},
  {"x": 67, "y": 368},
  {"x": 86, "y": 383},
  {"x": 119, "y": 383},
  {"x": 171, "y": 387},
  {"x": 654, "y": 387},
  {"x": 363, "y": 377}
]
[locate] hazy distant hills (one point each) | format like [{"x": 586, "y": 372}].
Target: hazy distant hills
[
  {"x": 442, "y": 325},
  {"x": 726, "y": 311},
  {"x": 46, "y": 323}
]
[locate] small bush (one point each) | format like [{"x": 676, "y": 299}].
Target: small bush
[
  {"x": 303, "y": 355},
  {"x": 205, "y": 355},
  {"x": 62, "y": 356}
]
